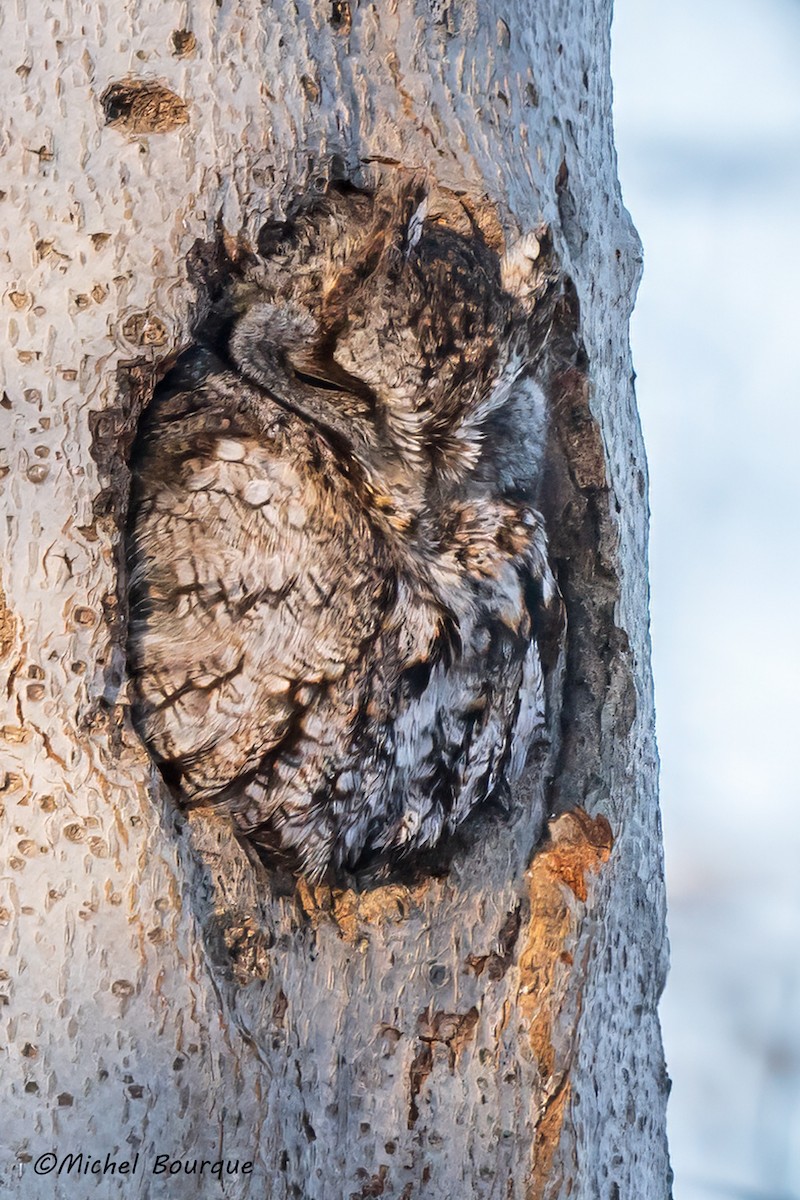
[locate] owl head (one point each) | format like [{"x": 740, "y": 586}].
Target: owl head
[{"x": 382, "y": 322}]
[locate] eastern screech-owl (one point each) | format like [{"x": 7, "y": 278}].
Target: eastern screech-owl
[{"x": 339, "y": 581}]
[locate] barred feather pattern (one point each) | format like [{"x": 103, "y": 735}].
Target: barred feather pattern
[{"x": 339, "y": 583}]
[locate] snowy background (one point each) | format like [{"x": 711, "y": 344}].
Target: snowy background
[{"x": 708, "y": 134}]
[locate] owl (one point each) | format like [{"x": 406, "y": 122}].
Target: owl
[{"x": 343, "y": 619}]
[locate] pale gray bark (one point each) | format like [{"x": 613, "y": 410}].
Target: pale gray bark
[{"x": 491, "y": 1034}]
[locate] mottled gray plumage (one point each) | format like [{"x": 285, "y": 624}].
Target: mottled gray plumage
[{"x": 339, "y": 580}]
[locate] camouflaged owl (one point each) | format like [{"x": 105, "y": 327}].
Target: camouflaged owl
[{"x": 339, "y": 580}]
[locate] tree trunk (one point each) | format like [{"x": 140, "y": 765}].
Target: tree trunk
[{"x": 492, "y": 1033}]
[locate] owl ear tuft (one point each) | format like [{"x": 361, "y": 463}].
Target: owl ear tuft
[
  {"x": 411, "y": 209},
  {"x": 415, "y": 226}
]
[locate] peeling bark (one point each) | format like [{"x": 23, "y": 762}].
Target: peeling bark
[{"x": 487, "y": 1032}]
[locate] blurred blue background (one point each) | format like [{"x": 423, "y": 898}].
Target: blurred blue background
[{"x": 707, "y": 99}]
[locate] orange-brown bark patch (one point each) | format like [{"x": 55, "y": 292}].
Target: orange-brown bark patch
[
  {"x": 8, "y": 626},
  {"x": 551, "y": 978},
  {"x": 356, "y": 912}
]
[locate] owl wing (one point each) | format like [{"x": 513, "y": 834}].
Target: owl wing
[
  {"x": 464, "y": 722},
  {"x": 254, "y": 583},
  {"x": 473, "y": 728}
]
